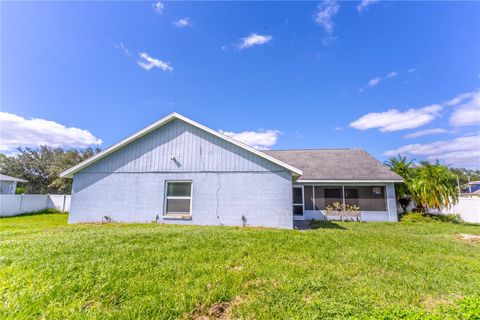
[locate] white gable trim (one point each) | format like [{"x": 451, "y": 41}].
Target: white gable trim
[{"x": 173, "y": 116}]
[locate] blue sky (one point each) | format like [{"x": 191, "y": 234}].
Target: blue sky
[{"x": 384, "y": 76}]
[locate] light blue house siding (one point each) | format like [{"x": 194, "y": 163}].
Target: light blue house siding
[{"x": 231, "y": 186}]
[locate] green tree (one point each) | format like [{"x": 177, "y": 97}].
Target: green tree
[
  {"x": 41, "y": 167},
  {"x": 464, "y": 175},
  {"x": 405, "y": 169},
  {"x": 433, "y": 186}
]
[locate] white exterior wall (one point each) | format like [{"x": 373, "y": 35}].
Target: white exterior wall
[{"x": 264, "y": 199}]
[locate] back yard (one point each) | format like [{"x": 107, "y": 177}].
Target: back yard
[{"x": 49, "y": 269}]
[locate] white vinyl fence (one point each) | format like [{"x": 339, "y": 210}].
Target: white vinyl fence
[
  {"x": 468, "y": 208},
  {"x": 14, "y": 204}
]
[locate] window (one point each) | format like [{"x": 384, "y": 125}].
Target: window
[{"x": 178, "y": 198}]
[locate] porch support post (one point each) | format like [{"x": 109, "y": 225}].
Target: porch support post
[{"x": 343, "y": 200}]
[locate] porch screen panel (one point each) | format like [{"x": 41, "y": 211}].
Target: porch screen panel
[
  {"x": 319, "y": 198},
  {"x": 308, "y": 195},
  {"x": 351, "y": 196},
  {"x": 368, "y": 198},
  {"x": 333, "y": 195}
]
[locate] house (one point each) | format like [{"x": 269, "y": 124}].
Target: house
[
  {"x": 179, "y": 171},
  {"x": 472, "y": 187},
  {"x": 8, "y": 184}
]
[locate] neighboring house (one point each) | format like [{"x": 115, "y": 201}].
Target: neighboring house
[
  {"x": 8, "y": 184},
  {"x": 179, "y": 171},
  {"x": 472, "y": 188}
]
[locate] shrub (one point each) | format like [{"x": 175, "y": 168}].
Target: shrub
[
  {"x": 417, "y": 216},
  {"x": 453, "y": 218},
  {"x": 20, "y": 190}
]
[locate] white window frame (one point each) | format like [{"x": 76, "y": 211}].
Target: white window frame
[{"x": 167, "y": 197}]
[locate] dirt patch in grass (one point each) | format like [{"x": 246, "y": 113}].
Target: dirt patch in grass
[
  {"x": 236, "y": 268},
  {"x": 256, "y": 283},
  {"x": 469, "y": 237},
  {"x": 433, "y": 302},
  {"x": 222, "y": 310}
]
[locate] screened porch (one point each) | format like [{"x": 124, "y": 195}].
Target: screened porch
[{"x": 323, "y": 201}]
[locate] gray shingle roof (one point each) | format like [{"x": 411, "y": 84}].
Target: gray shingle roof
[{"x": 335, "y": 164}]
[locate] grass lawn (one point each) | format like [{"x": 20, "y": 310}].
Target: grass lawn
[{"x": 51, "y": 270}]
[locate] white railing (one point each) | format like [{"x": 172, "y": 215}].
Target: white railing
[{"x": 14, "y": 204}]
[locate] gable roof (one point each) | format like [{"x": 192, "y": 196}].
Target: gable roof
[
  {"x": 336, "y": 165},
  {"x": 174, "y": 116},
  {"x": 4, "y": 177}
]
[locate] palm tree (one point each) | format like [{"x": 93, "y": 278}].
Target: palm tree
[
  {"x": 405, "y": 169},
  {"x": 433, "y": 187}
]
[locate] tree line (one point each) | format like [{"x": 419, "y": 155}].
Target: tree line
[{"x": 42, "y": 166}]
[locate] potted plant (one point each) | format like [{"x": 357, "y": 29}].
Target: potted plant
[{"x": 343, "y": 210}]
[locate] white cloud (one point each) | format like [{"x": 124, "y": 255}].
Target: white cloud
[
  {"x": 364, "y": 4},
  {"x": 253, "y": 39},
  {"x": 392, "y": 74},
  {"x": 158, "y": 7},
  {"x": 325, "y": 12},
  {"x": 147, "y": 63},
  {"x": 460, "y": 98},
  {"x": 373, "y": 82},
  {"x": 17, "y": 131},
  {"x": 184, "y": 22},
  {"x": 463, "y": 151},
  {"x": 426, "y": 132},
  {"x": 261, "y": 140},
  {"x": 394, "y": 120},
  {"x": 468, "y": 113},
  {"x": 411, "y": 70}
]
